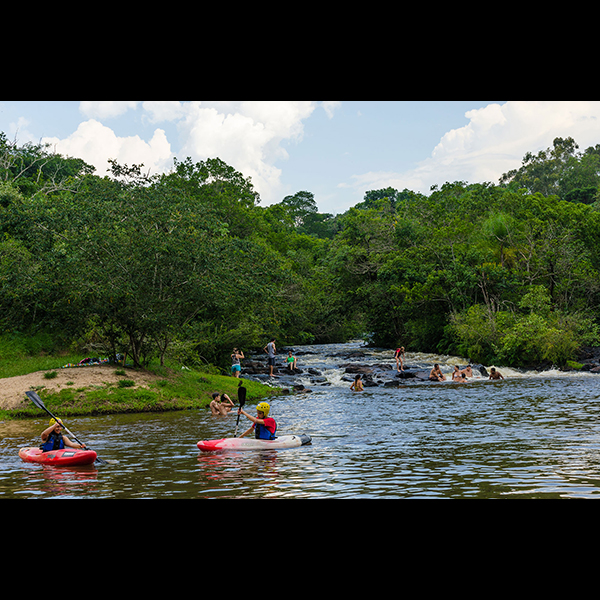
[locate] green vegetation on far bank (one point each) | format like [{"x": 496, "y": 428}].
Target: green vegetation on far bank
[
  {"x": 190, "y": 390},
  {"x": 161, "y": 389},
  {"x": 180, "y": 267}
]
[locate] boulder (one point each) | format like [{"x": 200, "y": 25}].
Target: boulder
[{"x": 359, "y": 369}]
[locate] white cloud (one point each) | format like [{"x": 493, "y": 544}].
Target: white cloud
[
  {"x": 20, "y": 131},
  {"x": 106, "y": 109},
  {"x": 163, "y": 110},
  {"x": 329, "y": 106},
  {"x": 251, "y": 136},
  {"x": 95, "y": 143},
  {"x": 247, "y": 135},
  {"x": 493, "y": 142}
]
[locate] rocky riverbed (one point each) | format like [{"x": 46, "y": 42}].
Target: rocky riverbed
[{"x": 377, "y": 368}]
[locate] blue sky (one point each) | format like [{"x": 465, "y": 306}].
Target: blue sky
[{"x": 338, "y": 150}]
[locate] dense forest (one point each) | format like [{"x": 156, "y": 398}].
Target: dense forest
[{"x": 187, "y": 264}]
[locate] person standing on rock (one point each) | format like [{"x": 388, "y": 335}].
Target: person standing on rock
[
  {"x": 236, "y": 366},
  {"x": 271, "y": 350},
  {"x": 398, "y": 356}
]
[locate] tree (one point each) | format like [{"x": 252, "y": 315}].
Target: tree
[{"x": 558, "y": 170}]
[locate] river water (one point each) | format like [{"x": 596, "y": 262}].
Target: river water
[{"x": 533, "y": 435}]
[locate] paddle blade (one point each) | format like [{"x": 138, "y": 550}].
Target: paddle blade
[
  {"x": 242, "y": 396},
  {"x": 35, "y": 399}
]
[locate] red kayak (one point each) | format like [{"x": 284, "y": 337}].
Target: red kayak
[{"x": 68, "y": 457}]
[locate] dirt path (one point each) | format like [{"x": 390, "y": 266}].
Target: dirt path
[{"x": 12, "y": 389}]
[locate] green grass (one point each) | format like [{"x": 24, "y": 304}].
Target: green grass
[
  {"x": 175, "y": 390},
  {"x": 21, "y": 354},
  {"x": 186, "y": 390}
]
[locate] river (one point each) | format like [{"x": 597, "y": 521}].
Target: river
[{"x": 533, "y": 435}]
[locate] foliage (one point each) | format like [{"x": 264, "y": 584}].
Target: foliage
[{"x": 187, "y": 264}]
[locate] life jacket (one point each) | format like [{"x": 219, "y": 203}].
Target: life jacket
[
  {"x": 54, "y": 442},
  {"x": 262, "y": 433}
]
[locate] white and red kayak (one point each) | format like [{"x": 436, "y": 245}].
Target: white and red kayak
[{"x": 280, "y": 443}]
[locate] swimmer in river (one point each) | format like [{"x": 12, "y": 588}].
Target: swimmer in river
[
  {"x": 357, "y": 386},
  {"x": 221, "y": 405},
  {"x": 495, "y": 374}
]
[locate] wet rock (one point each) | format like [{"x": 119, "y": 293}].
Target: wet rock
[
  {"x": 358, "y": 369},
  {"x": 391, "y": 384}
]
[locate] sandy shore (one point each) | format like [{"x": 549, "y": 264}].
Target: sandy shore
[{"x": 12, "y": 389}]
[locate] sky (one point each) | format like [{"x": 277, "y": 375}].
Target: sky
[{"x": 336, "y": 149}]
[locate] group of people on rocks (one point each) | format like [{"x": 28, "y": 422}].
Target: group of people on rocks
[
  {"x": 458, "y": 375},
  {"x": 265, "y": 427}
]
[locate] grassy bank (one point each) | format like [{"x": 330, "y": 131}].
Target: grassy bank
[
  {"x": 182, "y": 391},
  {"x": 116, "y": 390}
]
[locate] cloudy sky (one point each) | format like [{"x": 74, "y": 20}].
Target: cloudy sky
[{"x": 335, "y": 149}]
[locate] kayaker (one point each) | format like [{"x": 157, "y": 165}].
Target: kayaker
[
  {"x": 264, "y": 426},
  {"x": 54, "y": 439}
]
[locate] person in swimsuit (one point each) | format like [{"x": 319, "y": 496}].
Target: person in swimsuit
[
  {"x": 236, "y": 366},
  {"x": 495, "y": 374},
  {"x": 436, "y": 374},
  {"x": 221, "y": 405},
  {"x": 357, "y": 385},
  {"x": 398, "y": 356}
]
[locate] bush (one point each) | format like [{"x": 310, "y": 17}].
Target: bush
[{"x": 540, "y": 335}]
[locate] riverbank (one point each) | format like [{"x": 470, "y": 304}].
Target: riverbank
[{"x": 107, "y": 389}]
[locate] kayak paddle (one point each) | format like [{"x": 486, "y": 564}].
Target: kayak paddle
[
  {"x": 39, "y": 403},
  {"x": 242, "y": 401}
]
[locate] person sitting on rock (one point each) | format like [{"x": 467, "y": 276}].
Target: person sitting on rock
[
  {"x": 436, "y": 374},
  {"x": 291, "y": 361}
]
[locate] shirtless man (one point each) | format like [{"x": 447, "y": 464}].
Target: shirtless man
[
  {"x": 221, "y": 405},
  {"x": 436, "y": 374},
  {"x": 495, "y": 374}
]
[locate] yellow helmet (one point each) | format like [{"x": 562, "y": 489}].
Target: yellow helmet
[
  {"x": 264, "y": 408},
  {"x": 53, "y": 421}
]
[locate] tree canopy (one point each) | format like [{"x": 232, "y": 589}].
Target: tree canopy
[{"x": 187, "y": 264}]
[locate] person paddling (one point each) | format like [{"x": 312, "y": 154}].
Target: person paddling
[
  {"x": 54, "y": 439},
  {"x": 264, "y": 426}
]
